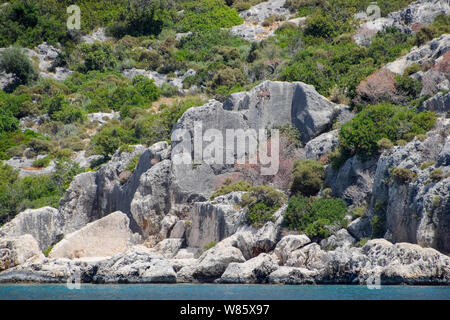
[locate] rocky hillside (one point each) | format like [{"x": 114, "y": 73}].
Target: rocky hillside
[{"x": 104, "y": 178}]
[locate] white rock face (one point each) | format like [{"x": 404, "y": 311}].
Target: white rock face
[
  {"x": 213, "y": 221},
  {"x": 43, "y": 224},
  {"x": 211, "y": 264},
  {"x": 254, "y": 270},
  {"x": 97, "y": 35},
  {"x": 321, "y": 145},
  {"x": 288, "y": 244},
  {"x": 102, "y": 238},
  {"x": 409, "y": 19},
  {"x": 16, "y": 250},
  {"x": 340, "y": 239},
  {"x": 168, "y": 247},
  {"x": 135, "y": 267},
  {"x": 292, "y": 275}
]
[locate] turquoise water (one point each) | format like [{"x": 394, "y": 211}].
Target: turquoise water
[{"x": 219, "y": 292}]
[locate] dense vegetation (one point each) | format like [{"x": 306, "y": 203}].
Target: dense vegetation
[
  {"x": 361, "y": 135},
  {"x": 145, "y": 35},
  {"x": 315, "y": 216}
]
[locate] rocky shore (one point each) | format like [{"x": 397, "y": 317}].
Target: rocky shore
[{"x": 158, "y": 224}]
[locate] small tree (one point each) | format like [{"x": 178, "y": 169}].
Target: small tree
[
  {"x": 14, "y": 60},
  {"x": 308, "y": 177}
]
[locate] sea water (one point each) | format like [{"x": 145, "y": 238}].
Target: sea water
[{"x": 220, "y": 292}]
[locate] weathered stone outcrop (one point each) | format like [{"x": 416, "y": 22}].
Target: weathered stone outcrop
[
  {"x": 135, "y": 267},
  {"x": 353, "y": 181},
  {"x": 213, "y": 221},
  {"x": 410, "y": 19},
  {"x": 254, "y": 270},
  {"x": 17, "y": 250},
  {"x": 288, "y": 244},
  {"x": 341, "y": 238},
  {"x": 321, "y": 145},
  {"x": 440, "y": 103},
  {"x": 93, "y": 195},
  {"x": 105, "y": 237},
  {"x": 416, "y": 211},
  {"x": 43, "y": 224}
]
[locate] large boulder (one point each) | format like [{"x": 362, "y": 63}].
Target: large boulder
[
  {"x": 405, "y": 263},
  {"x": 213, "y": 221},
  {"x": 211, "y": 264},
  {"x": 321, "y": 145},
  {"x": 105, "y": 237},
  {"x": 135, "y": 267},
  {"x": 151, "y": 202},
  {"x": 17, "y": 250},
  {"x": 288, "y": 244},
  {"x": 293, "y": 275},
  {"x": 168, "y": 247},
  {"x": 353, "y": 181},
  {"x": 439, "y": 103},
  {"x": 43, "y": 224},
  {"x": 341, "y": 238},
  {"x": 254, "y": 270}
]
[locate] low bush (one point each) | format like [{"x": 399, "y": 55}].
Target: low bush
[
  {"x": 228, "y": 187},
  {"x": 308, "y": 177},
  {"x": 403, "y": 176},
  {"x": 261, "y": 203},
  {"x": 313, "y": 215},
  {"x": 13, "y": 60},
  {"x": 436, "y": 175}
]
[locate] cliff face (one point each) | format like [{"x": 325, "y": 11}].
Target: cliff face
[{"x": 167, "y": 223}]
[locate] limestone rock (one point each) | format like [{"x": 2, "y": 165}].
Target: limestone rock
[
  {"x": 16, "y": 250},
  {"x": 321, "y": 145},
  {"x": 43, "y": 224},
  {"x": 310, "y": 256},
  {"x": 292, "y": 275},
  {"x": 214, "y": 261},
  {"x": 135, "y": 267},
  {"x": 353, "y": 181},
  {"x": 105, "y": 237},
  {"x": 254, "y": 270},
  {"x": 168, "y": 247},
  {"x": 340, "y": 239},
  {"x": 360, "y": 228},
  {"x": 289, "y": 244},
  {"x": 213, "y": 221}
]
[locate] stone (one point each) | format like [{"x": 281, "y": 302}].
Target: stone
[
  {"x": 310, "y": 256},
  {"x": 93, "y": 195},
  {"x": 321, "y": 145},
  {"x": 213, "y": 221},
  {"x": 341, "y": 238},
  {"x": 254, "y": 270},
  {"x": 135, "y": 267},
  {"x": 151, "y": 202},
  {"x": 105, "y": 237},
  {"x": 353, "y": 181},
  {"x": 289, "y": 244},
  {"x": 43, "y": 224},
  {"x": 416, "y": 212},
  {"x": 168, "y": 247},
  {"x": 360, "y": 228},
  {"x": 179, "y": 229},
  {"x": 292, "y": 275},
  {"x": 16, "y": 250},
  {"x": 167, "y": 224},
  {"x": 439, "y": 103},
  {"x": 213, "y": 262}
]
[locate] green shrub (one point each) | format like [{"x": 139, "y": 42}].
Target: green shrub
[
  {"x": 13, "y": 60},
  {"x": 403, "y": 176},
  {"x": 436, "y": 201},
  {"x": 210, "y": 245},
  {"x": 206, "y": 14},
  {"x": 261, "y": 203},
  {"x": 361, "y": 134},
  {"x": 384, "y": 144},
  {"x": 313, "y": 215},
  {"x": 411, "y": 69},
  {"x": 228, "y": 187},
  {"x": 359, "y": 212},
  {"x": 133, "y": 163},
  {"x": 436, "y": 175},
  {"x": 18, "y": 194},
  {"x": 40, "y": 145},
  {"x": 8, "y": 122},
  {"x": 46, "y": 252},
  {"x": 378, "y": 224},
  {"x": 308, "y": 177},
  {"x": 146, "y": 87},
  {"x": 41, "y": 163},
  {"x": 427, "y": 164},
  {"x": 99, "y": 56},
  {"x": 408, "y": 87}
]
